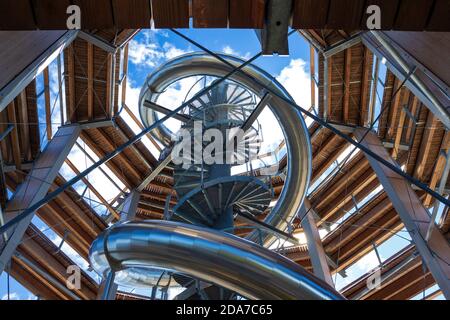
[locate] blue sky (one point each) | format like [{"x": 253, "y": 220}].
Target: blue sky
[{"x": 151, "y": 48}]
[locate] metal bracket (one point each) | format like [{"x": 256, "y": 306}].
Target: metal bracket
[{"x": 274, "y": 36}]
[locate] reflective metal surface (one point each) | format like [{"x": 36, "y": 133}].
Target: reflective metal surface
[
  {"x": 212, "y": 256},
  {"x": 290, "y": 120}
]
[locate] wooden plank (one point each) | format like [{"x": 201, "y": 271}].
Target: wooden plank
[
  {"x": 141, "y": 126},
  {"x": 347, "y": 73},
  {"x": 318, "y": 38},
  {"x": 247, "y": 14},
  {"x": 210, "y": 14},
  {"x": 365, "y": 86},
  {"x": 411, "y": 124},
  {"x": 438, "y": 168},
  {"x": 132, "y": 14},
  {"x": 345, "y": 14},
  {"x": 426, "y": 145},
  {"x": 329, "y": 87},
  {"x": 439, "y": 20},
  {"x": 108, "y": 85},
  {"x": 124, "y": 159},
  {"x": 393, "y": 110},
  {"x": 401, "y": 125},
  {"x": 413, "y": 15},
  {"x": 96, "y": 14},
  {"x": 51, "y": 14},
  {"x": 15, "y": 145},
  {"x": 16, "y": 15},
  {"x": 171, "y": 13},
  {"x": 48, "y": 111},
  {"x": 24, "y": 127},
  {"x": 302, "y": 17},
  {"x": 71, "y": 85},
  {"x": 125, "y": 74},
  {"x": 90, "y": 75}
]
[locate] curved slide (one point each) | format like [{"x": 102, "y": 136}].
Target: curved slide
[{"x": 212, "y": 256}]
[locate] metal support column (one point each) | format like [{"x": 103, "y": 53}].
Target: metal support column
[
  {"x": 108, "y": 289},
  {"x": 436, "y": 251},
  {"x": 315, "y": 247},
  {"x": 36, "y": 186},
  {"x": 129, "y": 206}
]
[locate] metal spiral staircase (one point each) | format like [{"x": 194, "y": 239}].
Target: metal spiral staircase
[{"x": 208, "y": 192}]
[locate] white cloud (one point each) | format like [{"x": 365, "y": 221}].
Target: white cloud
[
  {"x": 297, "y": 82},
  {"x": 146, "y": 54},
  {"x": 12, "y": 296},
  {"x": 149, "y": 53},
  {"x": 171, "y": 51},
  {"x": 229, "y": 50}
]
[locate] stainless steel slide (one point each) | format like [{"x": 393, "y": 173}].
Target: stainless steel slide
[{"x": 222, "y": 259}]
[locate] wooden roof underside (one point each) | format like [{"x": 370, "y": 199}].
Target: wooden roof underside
[{"x": 429, "y": 15}]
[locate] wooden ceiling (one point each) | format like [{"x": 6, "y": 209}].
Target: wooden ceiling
[
  {"x": 414, "y": 144},
  {"x": 429, "y": 15}
]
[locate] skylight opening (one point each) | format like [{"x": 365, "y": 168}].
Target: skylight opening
[
  {"x": 40, "y": 102},
  {"x": 380, "y": 87},
  {"x": 430, "y": 290}
]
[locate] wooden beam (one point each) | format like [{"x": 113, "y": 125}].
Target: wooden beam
[
  {"x": 90, "y": 68},
  {"x": 124, "y": 159},
  {"x": 125, "y": 74},
  {"x": 24, "y": 126},
  {"x": 425, "y": 145},
  {"x": 438, "y": 168},
  {"x": 365, "y": 84},
  {"x": 15, "y": 145},
  {"x": 71, "y": 75},
  {"x": 347, "y": 73},
  {"x": 318, "y": 38},
  {"x": 48, "y": 110},
  {"x": 401, "y": 125},
  {"x": 141, "y": 126},
  {"x": 327, "y": 70},
  {"x": 411, "y": 123},
  {"x": 108, "y": 85},
  {"x": 394, "y": 108}
]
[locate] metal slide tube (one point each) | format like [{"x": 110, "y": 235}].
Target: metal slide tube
[{"x": 212, "y": 256}]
